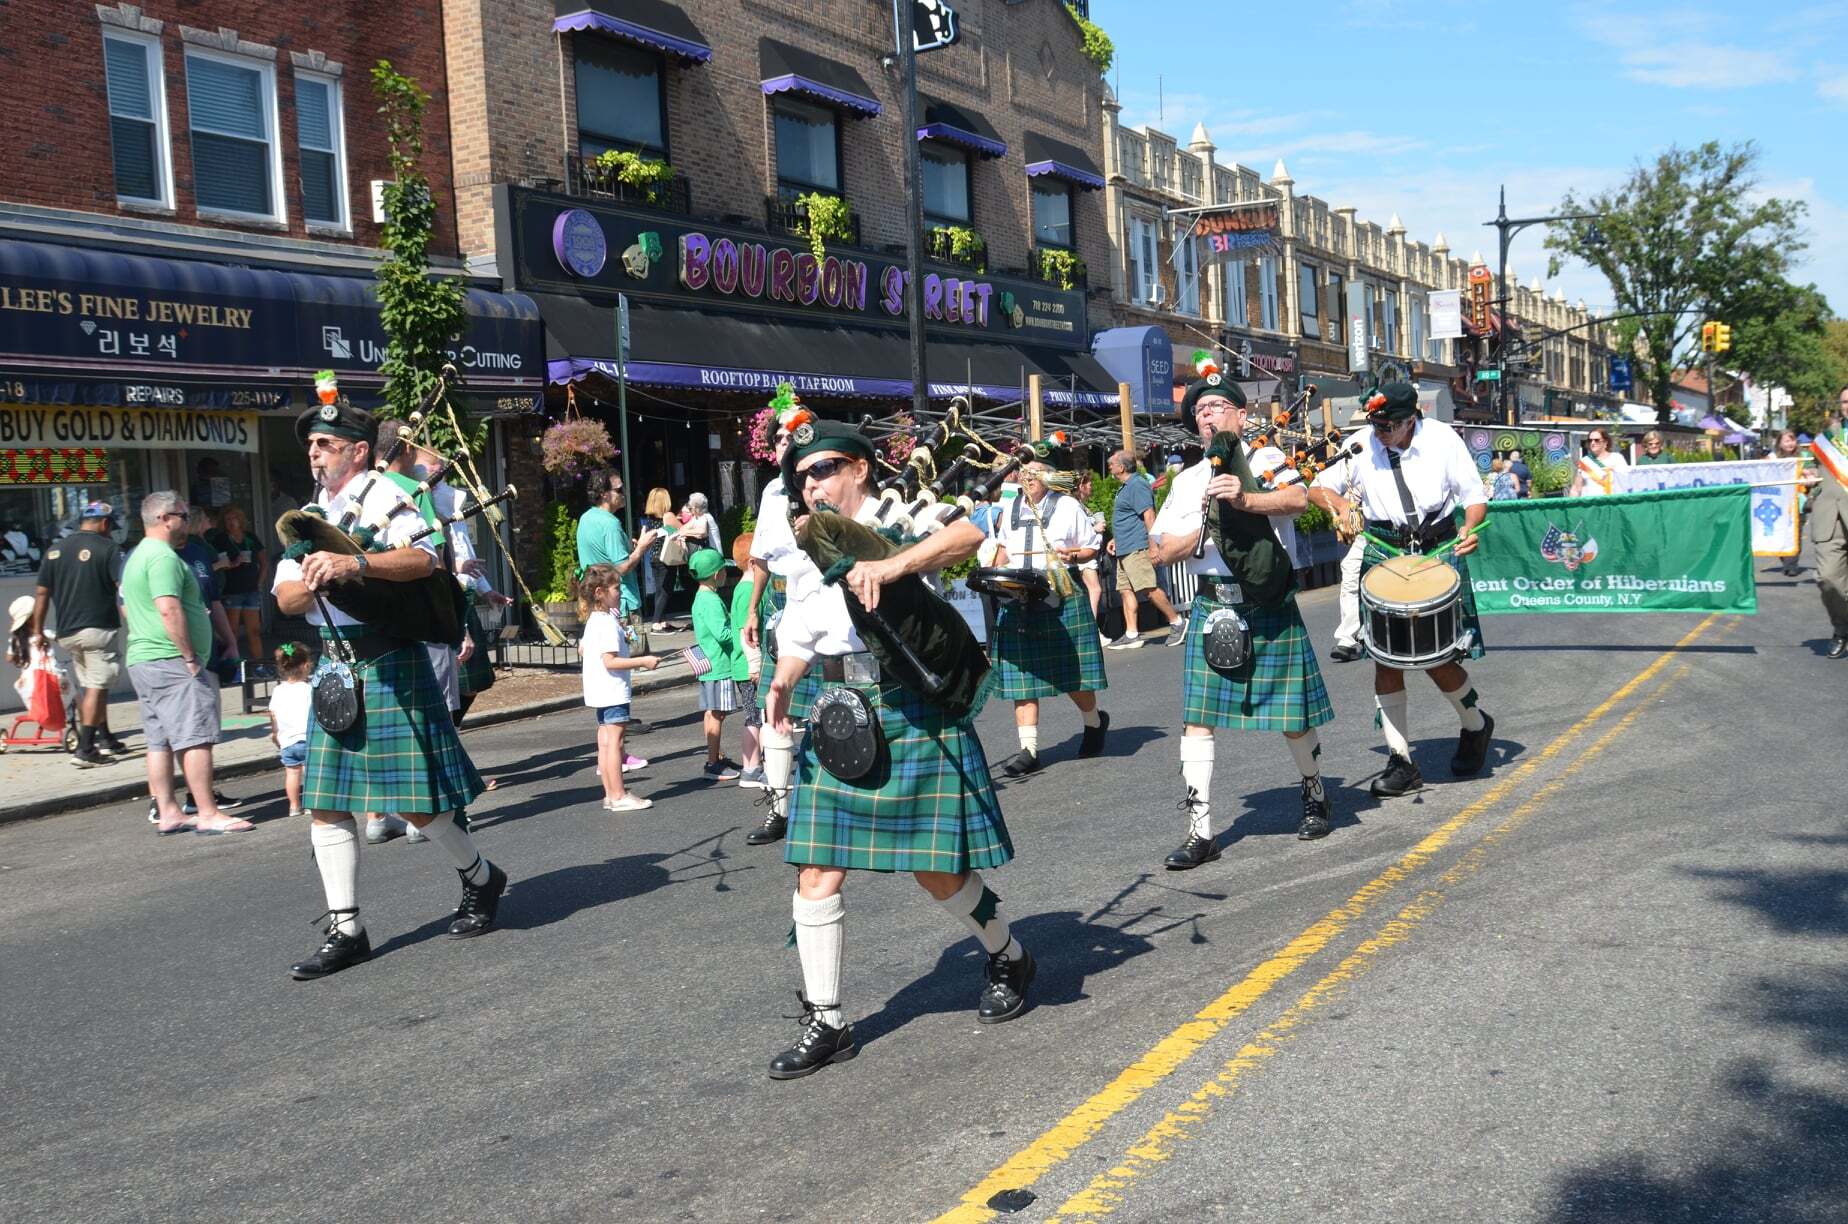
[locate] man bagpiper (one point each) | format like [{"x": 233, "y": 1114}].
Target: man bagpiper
[
  {"x": 402, "y": 753},
  {"x": 1414, "y": 475},
  {"x": 921, "y": 801},
  {"x": 1042, "y": 650},
  {"x": 1246, "y": 606},
  {"x": 778, "y": 568}
]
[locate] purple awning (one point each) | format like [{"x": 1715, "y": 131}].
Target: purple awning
[
  {"x": 804, "y": 87},
  {"x": 794, "y": 70},
  {"x": 972, "y": 141},
  {"x": 1071, "y": 174},
  {"x": 648, "y": 23},
  {"x": 1046, "y": 156}
]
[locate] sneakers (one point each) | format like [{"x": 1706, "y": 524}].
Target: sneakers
[
  {"x": 414, "y": 836},
  {"x": 480, "y": 902},
  {"x": 1021, "y": 764},
  {"x": 336, "y": 953},
  {"x": 1129, "y": 641},
  {"x": 109, "y": 745},
  {"x": 1473, "y": 749},
  {"x": 754, "y": 779},
  {"x": 87, "y": 760},
  {"x": 819, "y": 1045},
  {"x": 631, "y": 761},
  {"x": 1193, "y": 852},
  {"x": 223, "y": 802},
  {"x": 1006, "y": 993},
  {"x": 1347, "y": 652},
  {"x": 384, "y": 829},
  {"x": 1093, "y": 742},
  {"x": 630, "y": 802},
  {"x": 1177, "y": 631},
  {"x": 153, "y": 811},
  {"x": 1400, "y": 777},
  {"x": 1316, "y": 811},
  {"x": 720, "y": 770}
]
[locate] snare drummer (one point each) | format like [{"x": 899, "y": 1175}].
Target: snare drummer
[
  {"x": 1041, "y": 651},
  {"x": 1280, "y": 688},
  {"x": 1414, "y": 474}
]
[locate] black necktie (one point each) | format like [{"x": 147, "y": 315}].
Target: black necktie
[{"x": 1405, "y": 491}]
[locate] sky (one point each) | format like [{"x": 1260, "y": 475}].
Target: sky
[{"x": 1425, "y": 108}]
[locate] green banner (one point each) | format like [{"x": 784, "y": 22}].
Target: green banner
[{"x": 1670, "y": 550}]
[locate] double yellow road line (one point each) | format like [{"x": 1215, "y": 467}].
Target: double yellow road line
[{"x": 1106, "y": 1191}]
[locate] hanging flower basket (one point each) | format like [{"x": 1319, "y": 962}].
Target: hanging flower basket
[{"x": 576, "y": 446}]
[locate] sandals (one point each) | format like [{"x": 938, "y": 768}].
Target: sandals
[{"x": 230, "y": 824}]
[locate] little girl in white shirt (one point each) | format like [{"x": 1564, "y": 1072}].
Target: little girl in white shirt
[
  {"x": 290, "y": 707},
  {"x": 607, "y": 664}
]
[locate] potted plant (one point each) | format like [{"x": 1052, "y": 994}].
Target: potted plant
[
  {"x": 575, "y": 446},
  {"x": 1060, "y": 267},
  {"x": 960, "y": 244},
  {"x": 647, "y": 175},
  {"x": 821, "y": 217}
]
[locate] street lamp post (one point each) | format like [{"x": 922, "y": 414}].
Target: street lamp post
[{"x": 1507, "y": 227}]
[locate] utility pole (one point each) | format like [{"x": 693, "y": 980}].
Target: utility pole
[
  {"x": 1506, "y": 228},
  {"x": 914, "y": 212}
]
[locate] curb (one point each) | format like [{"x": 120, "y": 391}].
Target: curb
[{"x": 116, "y": 792}]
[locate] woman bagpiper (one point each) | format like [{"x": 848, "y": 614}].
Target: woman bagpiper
[{"x": 927, "y": 806}]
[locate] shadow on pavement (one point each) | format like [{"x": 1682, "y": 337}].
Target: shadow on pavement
[{"x": 1276, "y": 812}]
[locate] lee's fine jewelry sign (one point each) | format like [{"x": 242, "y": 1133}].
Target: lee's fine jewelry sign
[{"x": 126, "y": 429}]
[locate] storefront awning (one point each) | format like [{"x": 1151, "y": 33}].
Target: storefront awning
[
  {"x": 792, "y": 70},
  {"x": 714, "y": 352},
  {"x": 964, "y": 129},
  {"x": 654, "y": 24},
  {"x": 103, "y": 327},
  {"x": 1060, "y": 160}
]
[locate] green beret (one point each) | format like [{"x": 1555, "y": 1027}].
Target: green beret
[
  {"x": 1212, "y": 384},
  {"x": 1394, "y": 400},
  {"x": 814, "y": 437},
  {"x": 338, "y": 420}
]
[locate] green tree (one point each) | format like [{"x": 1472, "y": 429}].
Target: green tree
[
  {"x": 1683, "y": 241},
  {"x": 422, "y": 314},
  {"x": 1784, "y": 346}
]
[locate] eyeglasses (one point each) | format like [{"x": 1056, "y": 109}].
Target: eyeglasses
[
  {"x": 178, "y": 514},
  {"x": 821, "y": 469}
]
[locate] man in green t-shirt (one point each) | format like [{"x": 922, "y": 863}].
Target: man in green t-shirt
[
  {"x": 602, "y": 539},
  {"x": 169, "y": 640}
]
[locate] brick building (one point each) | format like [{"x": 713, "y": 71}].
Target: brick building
[
  {"x": 187, "y": 233},
  {"x": 677, "y": 154}
]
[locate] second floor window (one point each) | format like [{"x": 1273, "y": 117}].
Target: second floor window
[
  {"x": 618, "y": 99},
  {"x": 1308, "y": 294},
  {"x": 1238, "y": 309},
  {"x": 944, "y": 175},
  {"x": 318, "y": 126},
  {"x": 1052, "y": 214},
  {"x": 1144, "y": 269},
  {"x": 1418, "y": 317},
  {"x": 137, "y": 119},
  {"x": 232, "y": 107},
  {"x": 807, "y": 149},
  {"x": 1268, "y": 308},
  {"x": 1389, "y": 319}
]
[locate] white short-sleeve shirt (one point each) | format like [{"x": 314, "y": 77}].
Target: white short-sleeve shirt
[
  {"x": 603, "y": 635},
  {"x": 815, "y": 621},
  {"x": 1439, "y": 472},
  {"x": 1181, "y": 514},
  {"x": 1597, "y": 478},
  {"x": 1068, "y": 525},
  {"x": 383, "y": 503}
]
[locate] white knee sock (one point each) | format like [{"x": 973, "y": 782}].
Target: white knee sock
[
  {"x": 821, "y": 930},
  {"x": 1093, "y": 717},
  {"x": 336, "y": 853},
  {"x": 779, "y": 764},
  {"x": 1463, "y": 701},
  {"x": 1029, "y": 738},
  {"x": 1197, "y": 773},
  {"x": 459, "y": 846},
  {"x": 1307, "y": 749},
  {"x": 980, "y": 910},
  {"x": 1393, "y": 722}
]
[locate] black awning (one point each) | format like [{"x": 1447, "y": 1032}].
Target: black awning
[
  {"x": 648, "y": 23},
  {"x": 1047, "y": 156},
  {"x": 787, "y": 69},
  {"x": 716, "y": 352},
  {"x": 956, "y": 126}
]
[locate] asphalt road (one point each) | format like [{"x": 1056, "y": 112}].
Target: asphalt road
[{"x": 1608, "y": 980}]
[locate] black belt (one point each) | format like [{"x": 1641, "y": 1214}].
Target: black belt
[
  {"x": 366, "y": 647},
  {"x": 1212, "y": 586},
  {"x": 833, "y": 668},
  {"x": 1440, "y": 532}
]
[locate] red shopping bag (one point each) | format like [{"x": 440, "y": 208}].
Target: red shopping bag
[{"x": 44, "y": 695}]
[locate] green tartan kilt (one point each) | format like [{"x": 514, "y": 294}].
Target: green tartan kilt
[
  {"x": 802, "y": 696},
  {"x": 1469, "y": 619},
  {"x": 403, "y": 756},
  {"x": 1280, "y": 688},
  {"x": 1039, "y": 652},
  {"x": 478, "y": 672},
  {"x": 929, "y": 805}
]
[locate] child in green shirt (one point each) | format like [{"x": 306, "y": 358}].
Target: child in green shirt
[{"x": 713, "y": 634}]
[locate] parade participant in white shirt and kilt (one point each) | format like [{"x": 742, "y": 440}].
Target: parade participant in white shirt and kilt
[
  {"x": 402, "y": 754},
  {"x": 1414, "y": 475},
  {"x": 1278, "y": 686},
  {"x": 1038, "y": 650},
  {"x": 918, "y": 798}
]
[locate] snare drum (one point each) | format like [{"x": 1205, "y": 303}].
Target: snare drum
[
  {"x": 1025, "y": 586},
  {"x": 1411, "y": 612}
]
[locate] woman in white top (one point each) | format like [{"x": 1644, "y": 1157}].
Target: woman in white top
[{"x": 1596, "y": 474}]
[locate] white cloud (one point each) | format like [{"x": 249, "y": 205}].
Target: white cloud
[
  {"x": 1834, "y": 89},
  {"x": 1686, "y": 62}
]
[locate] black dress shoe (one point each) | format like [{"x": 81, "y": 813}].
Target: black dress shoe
[
  {"x": 1472, "y": 749},
  {"x": 1315, "y": 812},
  {"x": 1346, "y": 654},
  {"x": 1838, "y": 647},
  {"x": 1400, "y": 777},
  {"x": 1093, "y": 742},
  {"x": 337, "y": 953},
  {"x": 1191, "y": 853},
  {"x": 1021, "y": 763},
  {"x": 479, "y": 904},
  {"x": 771, "y": 830},
  {"x": 1005, "y": 996},
  {"x": 819, "y": 1045}
]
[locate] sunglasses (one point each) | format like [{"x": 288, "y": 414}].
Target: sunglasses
[{"x": 821, "y": 469}]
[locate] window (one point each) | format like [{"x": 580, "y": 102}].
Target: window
[
  {"x": 1187, "y": 268},
  {"x": 1191, "y": 178},
  {"x": 1144, "y": 273},
  {"x": 944, "y": 175},
  {"x": 1337, "y": 307},
  {"x": 619, "y": 98},
  {"x": 232, "y": 104},
  {"x": 1130, "y": 148},
  {"x": 1238, "y": 311},
  {"x": 1419, "y": 317},
  {"x": 1052, "y": 213},
  {"x": 1308, "y": 295},
  {"x": 1389, "y": 316},
  {"x": 137, "y": 119},
  {"x": 807, "y": 149},
  {"x": 1267, "y": 293},
  {"x": 319, "y": 128}
]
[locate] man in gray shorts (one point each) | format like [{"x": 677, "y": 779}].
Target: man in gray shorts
[
  {"x": 1132, "y": 514},
  {"x": 78, "y": 583},
  {"x": 169, "y": 639}
]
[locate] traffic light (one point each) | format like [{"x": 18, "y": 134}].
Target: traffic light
[
  {"x": 1722, "y": 337},
  {"x": 1709, "y": 333}
]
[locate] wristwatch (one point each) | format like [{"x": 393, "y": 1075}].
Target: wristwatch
[{"x": 361, "y": 558}]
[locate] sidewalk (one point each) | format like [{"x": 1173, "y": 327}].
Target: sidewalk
[{"x": 42, "y": 781}]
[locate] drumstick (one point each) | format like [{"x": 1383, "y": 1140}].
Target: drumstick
[
  {"x": 1382, "y": 545},
  {"x": 1436, "y": 554}
]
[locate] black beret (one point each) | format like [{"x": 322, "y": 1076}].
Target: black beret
[
  {"x": 1212, "y": 384},
  {"x": 338, "y": 420},
  {"x": 1394, "y": 400},
  {"x": 813, "y": 438}
]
